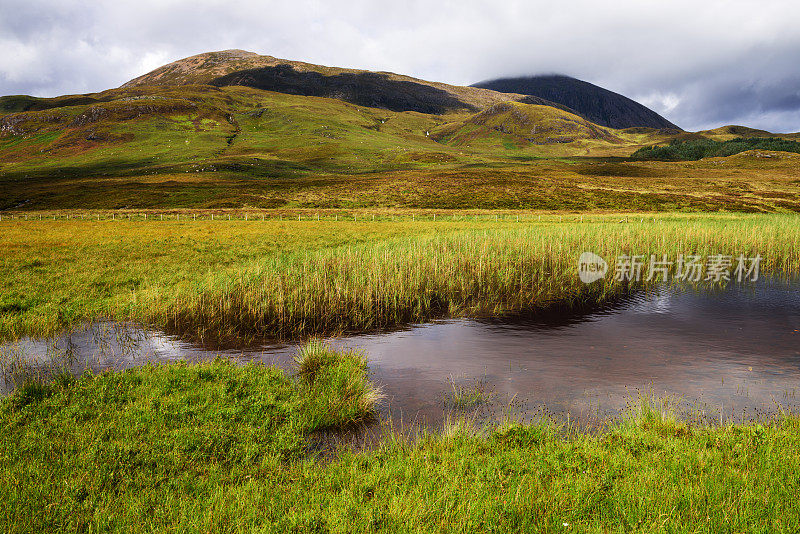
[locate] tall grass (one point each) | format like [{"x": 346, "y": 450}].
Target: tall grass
[
  {"x": 335, "y": 385},
  {"x": 465, "y": 273}
]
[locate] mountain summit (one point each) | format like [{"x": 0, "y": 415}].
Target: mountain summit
[
  {"x": 384, "y": 90},
  {"x": 594, "y": 103}
]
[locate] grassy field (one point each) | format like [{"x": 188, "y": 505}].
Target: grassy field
[
  {"x": 216, "y": 447},
  {"x": 233, "y": 279},
  {"x": 221, "y": 448},
  {"x": 741, "y": 183}
]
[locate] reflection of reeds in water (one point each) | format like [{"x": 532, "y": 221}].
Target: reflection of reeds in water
[
  {"x": 91, "y": 347},
  {"x": 18, "y": 368}
]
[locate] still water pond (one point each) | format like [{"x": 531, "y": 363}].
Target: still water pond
[{"x": 731, "y": 353}]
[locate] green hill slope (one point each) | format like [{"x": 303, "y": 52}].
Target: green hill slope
[{"x": 525, "y": 123}]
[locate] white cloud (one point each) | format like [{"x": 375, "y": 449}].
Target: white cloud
[{"x": 687, "y": 59}]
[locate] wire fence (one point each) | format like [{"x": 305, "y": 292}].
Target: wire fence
[{"x": 309, "y": 216}]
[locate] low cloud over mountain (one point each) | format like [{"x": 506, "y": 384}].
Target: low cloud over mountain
[{"x": 698, "y": 65}]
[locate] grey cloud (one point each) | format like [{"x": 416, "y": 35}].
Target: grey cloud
[{"x": 700, "y": 64}]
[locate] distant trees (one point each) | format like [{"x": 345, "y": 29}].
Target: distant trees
[{"x": 694, "y": 149}]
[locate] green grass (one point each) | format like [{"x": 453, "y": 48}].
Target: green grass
[
  {"x": 242, "y": 279},
  {"x": 56, "y": 274},
  {"x": 221, "y": 448},
  {"x": 467, "y": 396},
  {"x": 103, "y": 451}
]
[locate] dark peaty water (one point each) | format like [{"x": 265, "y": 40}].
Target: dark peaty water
[{"x": 732, "y": 352}]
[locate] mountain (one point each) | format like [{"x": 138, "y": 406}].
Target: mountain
[
  {"x": 594, "y": 103},
  {"x": 384, "y": 90},
  {"x": 234, "y": 128}
]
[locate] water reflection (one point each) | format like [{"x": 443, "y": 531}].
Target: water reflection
[{"x": 732, "y": 351}]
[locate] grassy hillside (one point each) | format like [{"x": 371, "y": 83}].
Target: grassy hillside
[
  {"x": 154, "y": 144},
  {"x": 208, "y": 147},
  {"x": 524, "y": 124},
  {"x": 237, "y": 67}
]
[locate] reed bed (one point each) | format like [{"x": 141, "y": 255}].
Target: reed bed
[{"x": 464, "y": 273}]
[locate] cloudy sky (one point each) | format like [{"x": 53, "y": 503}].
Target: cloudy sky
[{"x": 699, "y": 63}]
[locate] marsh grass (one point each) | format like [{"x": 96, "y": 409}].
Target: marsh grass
[
  {"x": 20, "y": 369},
  {"x": 75, "y": 453},
  {"x": 245, "y": 280},
  {"x": 469, "y": 395},
  {"x": 335, "y": 385},
  {"x": 463, "y": 273}
]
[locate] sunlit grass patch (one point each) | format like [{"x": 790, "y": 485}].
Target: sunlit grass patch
[{"x": 335, "y": 385}]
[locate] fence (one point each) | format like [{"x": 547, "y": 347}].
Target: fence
[{"x": 317, "y": 216}]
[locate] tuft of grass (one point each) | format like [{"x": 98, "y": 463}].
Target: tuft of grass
[
  {"x": 335, "y": 385},
  {"x": 467, "y": 396},
  {"x": 652, "y": 413}
]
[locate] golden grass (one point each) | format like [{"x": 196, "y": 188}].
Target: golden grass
[{"x": 465, "y": 273}]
